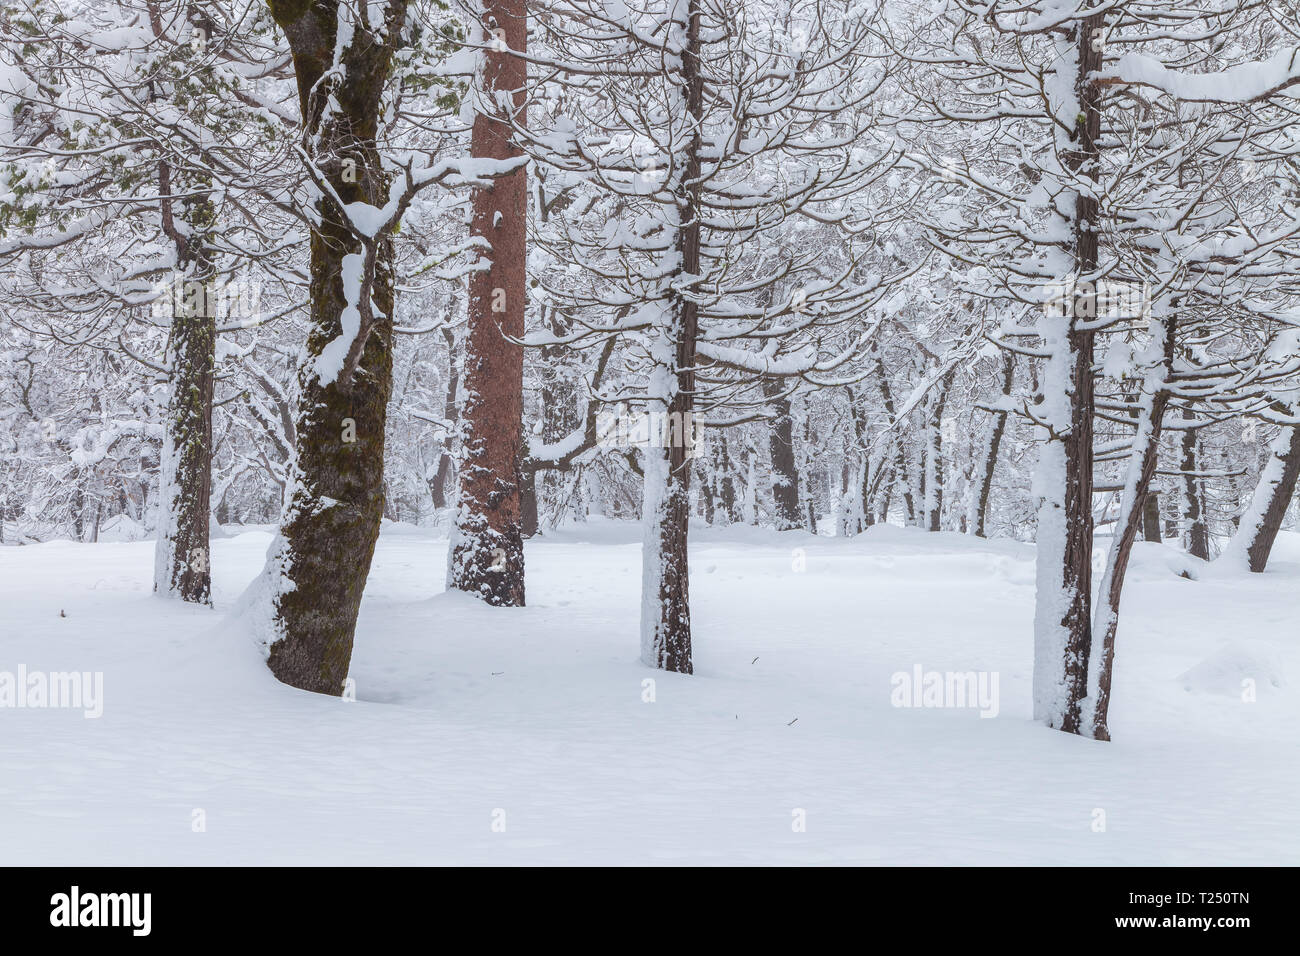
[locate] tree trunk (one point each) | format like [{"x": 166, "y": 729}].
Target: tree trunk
[
  {"x": 785, "y": 471},
  {"x": 1143, "y": 457},
  {"x": 1258, "y": 529},
  {"x": 887, "y": 494},
  {"x": 1063, "y": 612},
  {"x": 528, "y": 520},
  {"x": 1197, "y": 533},
  {"x": 487, "y": 549},
  {"x": 986, "y": 474},
  {"x": 859, "y": 516},
  {"x": 665, "y": 593},
  {"x": 441, "y": 477},
  {"x": 934, "y": 456},
  {"x": 317, "y": 569},
  {"x": 726, "y": 481},
  {"x": 181, "y": 557},
  {"x": 808, "y": 493},
  {"x": 900, "y": 471},
  {"x": 1151, "y": 517}
]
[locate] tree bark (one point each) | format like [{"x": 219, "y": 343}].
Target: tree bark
[
  {"x": 1151, "y": 517},
  {"x": 1063, "y": 613},
  {"x": 665, "y": 597},
  {"x": 991, "y": 451},
  {"x": 182, "y": 566},
  {"x": 785, "y": 470},
  {"x": 318, "y": 566},
  {"x": 901, "y": 474},
  {"x": 442, "y": 475},
  {"x": 1258, "y": 529},
  {"x": 1197, "y": 533},
  {"x": 487, "y": 551},
  {"x": 1143, "y": 457},
  {"x": 934, "y": 455}
]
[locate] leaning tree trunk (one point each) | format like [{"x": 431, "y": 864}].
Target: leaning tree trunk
[
  {"x": 1063, "y": 593},
  {"x": 989, "y": 468},
  {"x": 665, "y": 592},
  {"x": 1258, "y": 529},
  {"x": 486, "y": 556},
  {"x": 182, "y": 565},
  {"x": 317, "y": 568},
  {"x": 1143, "y": 457}
]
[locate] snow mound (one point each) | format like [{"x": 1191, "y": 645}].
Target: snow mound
[
  {"x": 1233, "y": 671},
  {"x": 122, "y": 528}
]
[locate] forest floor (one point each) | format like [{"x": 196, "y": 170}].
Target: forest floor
[{"x": 523, "y": 736}]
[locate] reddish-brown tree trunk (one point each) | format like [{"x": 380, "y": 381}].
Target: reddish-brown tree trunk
[{"x": 487, "y": 553}]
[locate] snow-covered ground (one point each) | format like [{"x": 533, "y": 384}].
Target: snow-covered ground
[{"x": 469, "y": 717}]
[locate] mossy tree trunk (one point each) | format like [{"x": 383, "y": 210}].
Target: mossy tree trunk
[
  {"x": 335, "y": 497},
  {"x": 182, "y": 566}
]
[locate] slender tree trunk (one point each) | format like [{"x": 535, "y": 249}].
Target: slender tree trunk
[
  {"x": 901, "y": 474},
  {"x": 528, "y": 520},
  {"x": 807, "y": 493},
  {"x": 707, "y": 497},
  {"x": 1143, "y": 457},
  {"x": 726, "y": 482},
  {"x": 1197, "y": 533},
  {"x": 934, "y": 458},
  {"x": 920, "y": 474},
  {"x": 887, "y": 494},
  {"x": 487, "y": 552},
  {"x": 182, "y": 558},
  {"x": 1151, "y": 516},
  {"x": 785, "y": 471},
  {"x": 989, "y": 468},
  {"x": 749, "y": 502},
  {"x": 317, "y": 568},
  {"x": 860, "y": 517},
  {"x": 442, "y": 475},
  {"x": 665, "y": 591},
  {"x": 1258, "y": 529}
]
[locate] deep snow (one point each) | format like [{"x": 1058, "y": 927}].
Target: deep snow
[{"x": 465, "y": 710}]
